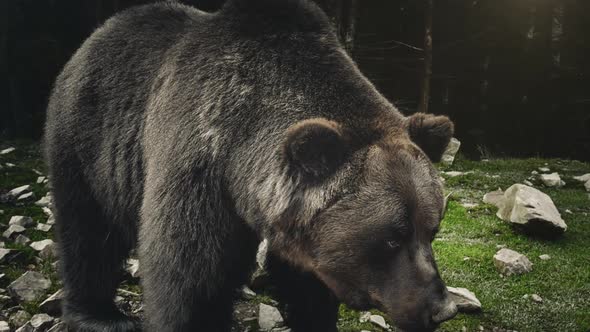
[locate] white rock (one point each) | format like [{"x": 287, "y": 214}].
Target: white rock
[
  {"x": 40, "y": 245},
  {"x": 45, "y": 201},
  {"x": 50, "y": 220},
  {"x": 59, "y": 327},
  {"x": 453, "y": 174},
  {"x": 26, "y": 197},
  {"x": 19, "y": 318},
  {"x": 22, "y": 240},
  {"x": 16, "y": 192},
  {"x": 527, "y": 206},
  {"x": 29, "y": 287},
  {"x": 247, "y": 293},
  {"x": 545, "y": 257},
  {"x": 269, "y": 317},
  {"x": 4, "y": 326},
  {"x": 465, "y": 300},
  {"x": 26, "y": 328},
  {"x": 50, "y": 251},
  {"x": 536, "y": 298},
  {"x": 379, "y": 321},
  {"x": 43, "y": 227},
  {"x": 12, "y": 230},
  {"x": 451, "y": 151},
  {"x": 544, "y": 169},
  {"x": 47, "y": 211},
  {"x": 7, "y": 151},
  {"x": 552, "y": 180},
  {"x": 583, "y": 178},
  {"x": 133, "y": 267},
  {"x": 528, "y": 183},
  {"x": 534, "y": 172},
  {"x": 40, "y": 179},
  {"x": 495, "y": 197},
  {"x": 587, "y": 185},
  {"x": 510, "y": 262},
  {"x": 23, "y": 221},
  {"x": 52, "y": 305},
  {"x": 41, "y": 321},
  {"x": 365, "y": 316},
  {"x": 10, "y": 165}
]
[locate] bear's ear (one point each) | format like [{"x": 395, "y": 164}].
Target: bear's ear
[
  {"x": 315, "y": 148},
  {"x": 431, "y": 133}
]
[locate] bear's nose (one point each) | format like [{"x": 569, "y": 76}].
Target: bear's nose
[{"x": 445, "y": 311}]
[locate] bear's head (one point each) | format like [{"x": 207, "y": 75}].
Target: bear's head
[{"x": 362, "y": 219}]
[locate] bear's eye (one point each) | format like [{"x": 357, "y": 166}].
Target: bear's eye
[{"x": 392, "y": 245}]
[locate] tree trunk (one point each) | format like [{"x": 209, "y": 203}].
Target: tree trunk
[{"x": 427, "y": 71}]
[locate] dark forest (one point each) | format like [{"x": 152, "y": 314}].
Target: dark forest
[{"x": 512, "y": 74}]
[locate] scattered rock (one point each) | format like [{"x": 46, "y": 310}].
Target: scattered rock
[
  {"x": 247, "y": 293},
  {"x": 536, "y": 298},
  {"x": 379, "y": 321},
  {"x": 45, "y": 201},
  {"x": 26, "y": 328},
  {"x": 40, "y": 245},
  {"x": 18, "y": 191},
  {"x": 469, "y": 205},
  {"x": 40, "y": 179},
  {"x": 133, "y": 267},
  {"x": 365, "y": 316},
  {"x": 260, "y": 277},
  {"x": 4, "y": 327},
  {"x": 552, "y": 180},
  {"x": 12, "y": 231},
  {"x": 495, "y": 197},
  {"x": 528, "y": 183},
  {"x": 532, "y": 209},
  {"x": 510, "y": 262},
  {"x": 464, "y": 299},
  {"x": 59, "y": 327},
  {"x": 545, "y": 257},
  {"x": 26, "y": 197},
  {"x": 22, "y": 240},
  {"x": 52, "y": 305},
  {"x": 587, "y": 185},
  {"x": 451, "y": 151},
  {"x": 453, "y": 174},
  {"x": 21, "y": 221},
  {"x": 49, "y": 251},
  {"x": 29, "y": 287},
  {"x": 544, "y": 169},
  {"x": 41, "y": 321},
  {"x": 43, "y": 227},
  {"x": 10, "y": 165},
  {"x": 19, "y": 318},
  {"x": 7, "y": 150},
  {"x": 534, "y": 173},
  {"x": 269, "y": 317},
  {"x": 583, "y": 178}
]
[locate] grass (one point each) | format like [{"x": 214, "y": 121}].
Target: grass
[{"x": 464, "y": 247}]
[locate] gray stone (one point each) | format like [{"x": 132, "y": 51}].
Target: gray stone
[
  {"x": 59, "y": 327},
  {"x": 528, "y": 183},
  {"x": 465, "y": 300},
  {"x": 247, "y": 293},
  {"x": 52, "y": 305},
  {"x": 495, "y": 197},
  {"x": 40, "y": 179},
  {"x": 21, "y": 221},
  {"x": 379, "y": 321},
  {"x": 587, "y": 185},
  {"x": 364, "y": 317},
  {"x": 50, "y": 251},
  {"x": 5, "y": 254},
  {"x": 16, "y": 192},
  {"x": 536, "y": 298},
  {"x": 26, "y": 328},
  {"x": 47, "y": 211},
  {"x": 133, "y": 267},
  {"x": 260, "y": 276},
  {"x": 4, "y": 327},
  {"x": 545, "y": 257},
  {"x": 40, "y": 245},
  {"x": 451, "y": 151},
  {"x": 41, "y": 321},
  {"x": 43, "y": 227},
  {"x": 531, "y": 208},
  {"x": 12, "y": 231},
  {"x": 22, "y": 240},
  {"x": 7, "y": 150},
  {"x": 544, "y": 169},
  {"x": 269, "y": 317},
  {"x": 552, "y": 180},
  {"x": 29, "y": 287},
  {"x": 19, "y": 318},
  {"x": 510, "y": 262},
  {"x": 45, "y": 201},
  {"x": 26, "y": 197},
  {"x": 453, "y": 174},
  {"x": 583, "y": 178}
]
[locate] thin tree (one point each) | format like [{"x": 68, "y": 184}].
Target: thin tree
[{"x": 427, "y": 69}]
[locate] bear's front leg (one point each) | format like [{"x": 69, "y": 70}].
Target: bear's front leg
[
  {"x": 311, "y": 306},
  {"x": 194, "y": 254}
]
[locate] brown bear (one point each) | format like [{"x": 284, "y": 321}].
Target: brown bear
[{"x": 193, "y": 135}]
